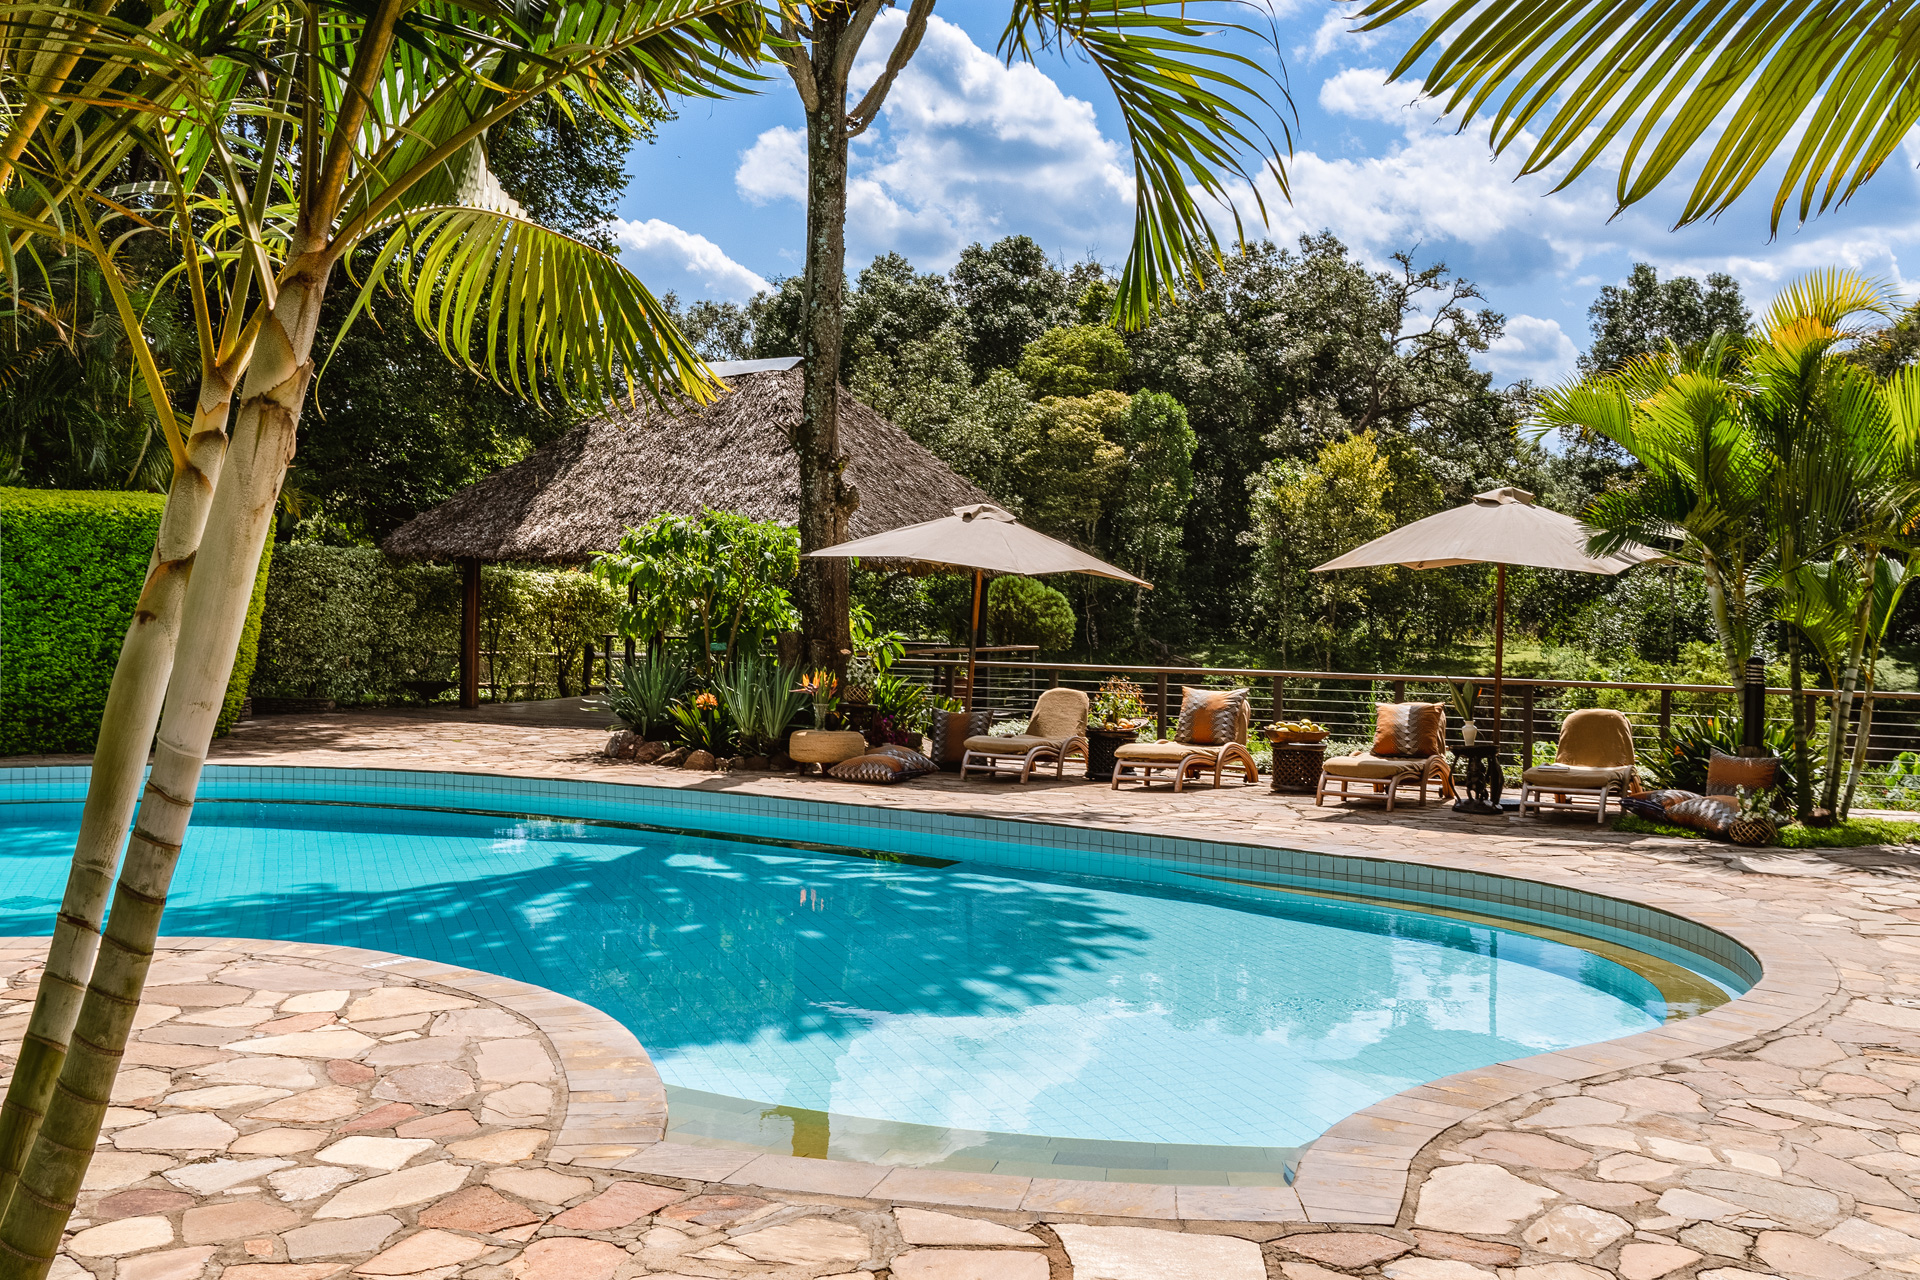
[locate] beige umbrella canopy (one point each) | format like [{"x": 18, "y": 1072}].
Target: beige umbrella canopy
[
  {"x": 983, "y": 539},
  {"x": 1499, "y": 527}
]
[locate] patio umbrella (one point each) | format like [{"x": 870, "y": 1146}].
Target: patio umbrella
[
  {"x": 981, "y": 539},
  {"x": 1499, "y": 527}
]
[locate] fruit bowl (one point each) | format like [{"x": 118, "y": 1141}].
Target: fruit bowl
[{"x": 1296, "y": 732}]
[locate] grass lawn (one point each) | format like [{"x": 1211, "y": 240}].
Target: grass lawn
[{"x": 1850, "y": 834}]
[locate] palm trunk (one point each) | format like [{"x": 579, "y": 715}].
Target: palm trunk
[
  {"x": 826, "y": 500},
  {"x": 1843, "y": 700},
  {"x": 213, "y": 613},
  {"x": 119, "y": 766},
  {"x": 1723, "y": 623},
  {"x": 1802, "y": 760}
]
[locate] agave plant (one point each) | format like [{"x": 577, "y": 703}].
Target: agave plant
[
  {"x": 760, "y": 698},
  {"x": 645, "y": 692}
]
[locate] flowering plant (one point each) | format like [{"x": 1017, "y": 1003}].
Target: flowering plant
[
  {"x": 823, "y": 690},
  {"x": 1755, "y": 804},
  {"x": 1120, "y": 704}
]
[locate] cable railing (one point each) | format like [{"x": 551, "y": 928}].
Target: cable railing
[{"x": 1531, "y": 708}]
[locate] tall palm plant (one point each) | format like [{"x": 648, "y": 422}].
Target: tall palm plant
[
  {"x": 1191, "y": 111},
  {"x": 1784, "y": 479},
  {"x": 382, "y": 112}
]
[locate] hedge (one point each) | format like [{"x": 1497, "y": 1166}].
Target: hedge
[
  {"x": 71, "y": 568},
  {"x": 353, "y": 625}
]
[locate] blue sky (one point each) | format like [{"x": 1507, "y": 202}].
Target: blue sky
[{"x": 970, "y": 149}]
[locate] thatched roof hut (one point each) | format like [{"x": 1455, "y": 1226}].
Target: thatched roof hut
[{"x": 574, "y": 497}]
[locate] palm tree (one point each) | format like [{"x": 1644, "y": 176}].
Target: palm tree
[
  {"x": 1784, "y": 478},
  {"x": 1572, "y": 82},
  {"x": 391, "y": 147},
  {"x": 1188, "y": 116}
]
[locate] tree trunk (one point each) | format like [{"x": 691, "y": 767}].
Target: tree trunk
[
  {"x": 119, "y": 764},
  {"x": 1723, "y": 623},
  {"x": 1802, "y": 760},
  {"x": 1849, "y": 676},
  {"x": 213, "y": 614},
  {"x": 826, "y": 499}
]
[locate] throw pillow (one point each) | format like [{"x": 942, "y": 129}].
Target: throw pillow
[
  {"x": 1709, "y": 814},
  {"x": 1211, "y": 717},
  {"x": 1755, "y": 773},
  {"x": 1409, "y": 729},
  {"x": 871, "y": 768},
  {"x": 950, "y": 731},
  {"x": 912, "y": 763}
]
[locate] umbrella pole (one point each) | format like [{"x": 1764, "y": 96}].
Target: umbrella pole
[
  {"x": 973, "y": 639},
  {"x": 1499, "y": 654}
]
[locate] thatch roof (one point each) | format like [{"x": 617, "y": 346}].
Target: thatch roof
[{"x": 574, "y": 497}]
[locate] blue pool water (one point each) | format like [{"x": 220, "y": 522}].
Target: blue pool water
[{"x": 965, "y": 995}]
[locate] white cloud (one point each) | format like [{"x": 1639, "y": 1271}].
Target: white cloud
[
  {"x": 663, "y": 245},
  {"x": 1531, "y": 348},
  {"x": 1365, "y": 93},
  {"x": 966, "y": 148},
  {"x": 774, "y": 167},
  {"x": 1336, "y": 32}
]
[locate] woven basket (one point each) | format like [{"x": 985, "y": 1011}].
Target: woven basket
[
  {"x": 825, "y": 746},
  {"x": 1752, "y": 831}
]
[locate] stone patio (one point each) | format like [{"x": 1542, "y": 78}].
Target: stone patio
[{"x": 286, "y": 1127}]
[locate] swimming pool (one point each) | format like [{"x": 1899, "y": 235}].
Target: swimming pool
[{"x": 911, "y": 992}]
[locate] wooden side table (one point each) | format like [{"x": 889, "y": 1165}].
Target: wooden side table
[
  {"x": 1479, "y": 778},
  {"x": 1296, "y": 767}
]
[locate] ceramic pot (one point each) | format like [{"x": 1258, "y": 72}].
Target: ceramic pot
[{"x": 1469, "y": 733}]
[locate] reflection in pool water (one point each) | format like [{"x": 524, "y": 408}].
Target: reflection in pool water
[{"x": 954, "y": 995}]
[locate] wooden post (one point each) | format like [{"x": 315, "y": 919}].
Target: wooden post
[
  {"x": 586, "y": 669},
  {"x": 470, "y": 633},
  {"x": 1053, "y": 681},
  {"x": 633, "y": 597},
  {"x": 1526, "y": 730},
  {"x": 1666, "y": 714},
  {"x": 1160, "y": 689},
  {"x": 607, "y": 665},
  {"x": 1399, "y": 690}
]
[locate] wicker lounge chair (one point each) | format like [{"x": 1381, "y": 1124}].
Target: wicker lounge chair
[
  {"x": 1204, "y": 714},
  {"x": 1594, "y": 759},
  {"x": 1057, "y": 730},
  {"x": 1408, "y": 747}
]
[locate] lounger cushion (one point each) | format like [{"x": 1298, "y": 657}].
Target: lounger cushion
[
  {"x": 1566, "y": 775},
  {"x": 1411, "y": 729},
  {"x": 1210, "y": 717},
  {"x": 1368, "y": 765},
  {"x": 1059, "y": 714},
  {"x": 1165, "y": 752},
  {"x": 950, "y": 731},
  {"x": 1595, "y": 738},
  {"x": 1013, "y": 744}
]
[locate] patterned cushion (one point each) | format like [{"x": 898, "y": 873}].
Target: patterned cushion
[
  {"x": 950, "y": 732},
  {"x": 1409, "y": 729},
  {"x": 1709, "y": 814},
  {"x": 1756, "y": 773},
  {"x": 1212, "y": 717},
  {"x": 873, "y": 767},
  {"x": 912, "y": 763}
]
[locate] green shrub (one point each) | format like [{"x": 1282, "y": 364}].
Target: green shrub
[
  {"x": 351, "y": 624},
  {"x": 71, "y": 568},
  {"x": 1028, "y": 611}
]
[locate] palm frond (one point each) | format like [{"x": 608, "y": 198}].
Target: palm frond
[
  {"x": 1191, "y": 109},
  {"x": 520, "y": 303},
  {"x": 1654, "y": 78}
]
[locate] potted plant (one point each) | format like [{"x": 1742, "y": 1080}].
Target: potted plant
[
  {"x": 1113, "y": 720},
  {"x": 1463, "y": 694},
  {"x": 1754, "y": 820}
]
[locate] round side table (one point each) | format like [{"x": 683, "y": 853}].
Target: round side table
[
  {"x": 825, "y": 747},
  {"x": 1296, "y": 767}
]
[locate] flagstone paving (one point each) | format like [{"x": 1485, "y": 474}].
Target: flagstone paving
[{"x": 267, "y": 1128}]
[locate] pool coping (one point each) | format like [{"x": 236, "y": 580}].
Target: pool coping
[{"x": 1356, "y": 1172}]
